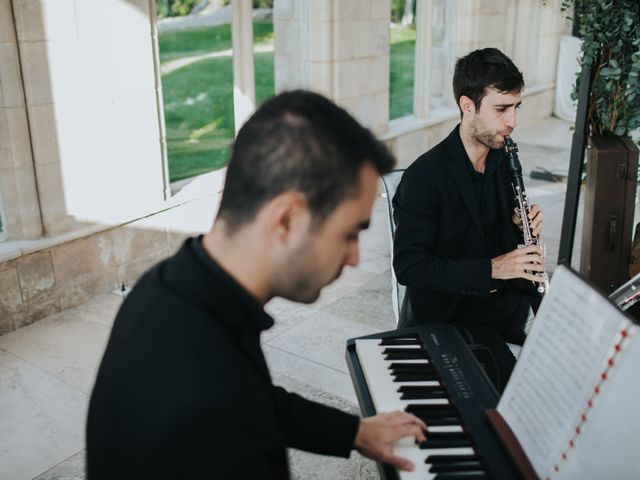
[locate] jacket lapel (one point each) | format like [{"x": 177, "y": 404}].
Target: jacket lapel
[{"x": 457, "y": 164}]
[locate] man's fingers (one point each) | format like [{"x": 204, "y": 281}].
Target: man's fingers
[
  {"x": 535, "y": 212},
  {"x": 531, "y": 277},
  {"x": 538, "y": 230},
  {"x": 527, "y": 250},
  {"x": 398, "y": 462},
  {"x": 414, "y": 427},
  {"x": 408, "y": 418},
  {"x": 532, "y": 258},
  {"x": 416, "y": 421},
  {"x": 534, "y": 267}
]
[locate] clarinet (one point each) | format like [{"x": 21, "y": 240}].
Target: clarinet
[{"x": 524, "y": 208}]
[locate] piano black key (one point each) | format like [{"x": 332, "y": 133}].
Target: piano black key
[
  {"x": 415, "y": 377},
  {"x": 445, "y": 435},
  {"x": 440, "y": 421},
  {"x": 404, "y": 354},
  {"x": 451, "y": 458},
  {"x": 407, "y": 392},
  {"x": 455, "y": 467},
  {"x": 429, "y": 412},
  {"x": 400, "y": 341},
  {"x": 444, "y": 443},
  {"x": 411, "y": 367},
  {"x": 461, "y": 475}
]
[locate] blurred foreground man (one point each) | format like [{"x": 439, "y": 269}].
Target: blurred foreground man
[{"x": 183, "y": 390}]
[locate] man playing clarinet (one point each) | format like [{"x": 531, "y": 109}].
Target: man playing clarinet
[{"x": 458, "y": 231}]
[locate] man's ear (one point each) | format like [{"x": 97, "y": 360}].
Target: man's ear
[
  {"x": 466, "y": 105},
  {"x": 286, "y": 216}
]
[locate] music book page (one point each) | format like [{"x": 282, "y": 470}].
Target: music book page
[{"x": 550, "y": 401}]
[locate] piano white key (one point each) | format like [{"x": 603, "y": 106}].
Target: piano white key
[
  {"x": 418, "y": 457},
  {"x": 421, "y": 383},
  {"x": 445, "y": 428},
  {"x": 414, "y": 340},
  {"x": 425, "y": 401},
  {"x": 383, "y": 390},
  {"x": 417, "y": 345}
]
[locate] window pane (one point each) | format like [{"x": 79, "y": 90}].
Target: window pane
[
  {"x": 197, "y": 88},
  {"x": 263, "y": 53},
  {"x": 402, "y": 58}
]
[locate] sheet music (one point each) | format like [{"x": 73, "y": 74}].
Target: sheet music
[
  {"x": 558, "y": 368},
  {"x": 608, "y": 444}
]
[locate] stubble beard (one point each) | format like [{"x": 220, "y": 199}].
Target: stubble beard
[{"x": 490, "y": 140}]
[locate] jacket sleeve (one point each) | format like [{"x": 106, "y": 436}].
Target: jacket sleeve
[
  {"x": 314, "y": 427},
  {"x": 417, "y": 206}
]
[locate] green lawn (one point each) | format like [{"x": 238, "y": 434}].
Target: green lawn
[
  {"x": 198, "y": 98},
  {"x": 403, "y": 47}
]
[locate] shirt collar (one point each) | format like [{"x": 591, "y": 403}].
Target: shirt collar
[{"x": 258, "y": 318}]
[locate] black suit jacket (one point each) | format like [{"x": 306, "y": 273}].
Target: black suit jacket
[
  {"x": 183, "y": 390},
  {"x": 440, "y": 252}
]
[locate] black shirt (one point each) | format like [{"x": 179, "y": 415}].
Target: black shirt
[
  {"x": 256, "y": 317},
  {"x": 486, "y": 194}
]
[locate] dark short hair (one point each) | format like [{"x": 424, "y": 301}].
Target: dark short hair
[
  {"x": 481, "y": 69},
  {"x": 298, "y": 141}
]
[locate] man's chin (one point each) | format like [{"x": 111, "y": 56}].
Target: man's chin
[{"x": 304, "y": 297}]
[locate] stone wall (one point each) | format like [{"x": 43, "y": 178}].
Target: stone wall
[
  {"x": 51, "y": 275},
  {"x": 35, "y": 285}
]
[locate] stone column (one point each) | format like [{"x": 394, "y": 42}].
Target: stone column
[
  {"x": 338, "y": 48},
  {"x": 21, "y": 216},
  {"x": 244, "y": 89}
]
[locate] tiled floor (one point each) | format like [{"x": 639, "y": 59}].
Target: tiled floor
[{"x": 47, "y": 369}]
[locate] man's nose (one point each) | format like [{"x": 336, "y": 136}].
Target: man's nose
[
  {"x": 510, "y": 119},
  {"x": 353, "y": 254}
]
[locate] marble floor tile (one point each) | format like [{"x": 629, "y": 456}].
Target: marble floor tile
[
  {"x": 286, "y": 314},
  {"x": 42, "y": 419},
  {"x": 350, "y": 280},
  {"x": 101, "y": 309},
  {"x": 375, "y": 263},
  {"x": 328, "y": 379},
  {"x": 370, "y": 305},
  {"x": 321, "y": 338},
  {"x": 65, "y": 345},
  {"x": 72, "y": 468}
]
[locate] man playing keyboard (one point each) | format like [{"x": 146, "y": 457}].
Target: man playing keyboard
[{"x": 183, "y": 390}]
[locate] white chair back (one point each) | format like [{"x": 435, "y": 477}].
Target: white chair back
[{"x": 390, "y": 182}]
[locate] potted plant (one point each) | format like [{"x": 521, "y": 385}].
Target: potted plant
[{"x": 610, "y": 33}]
